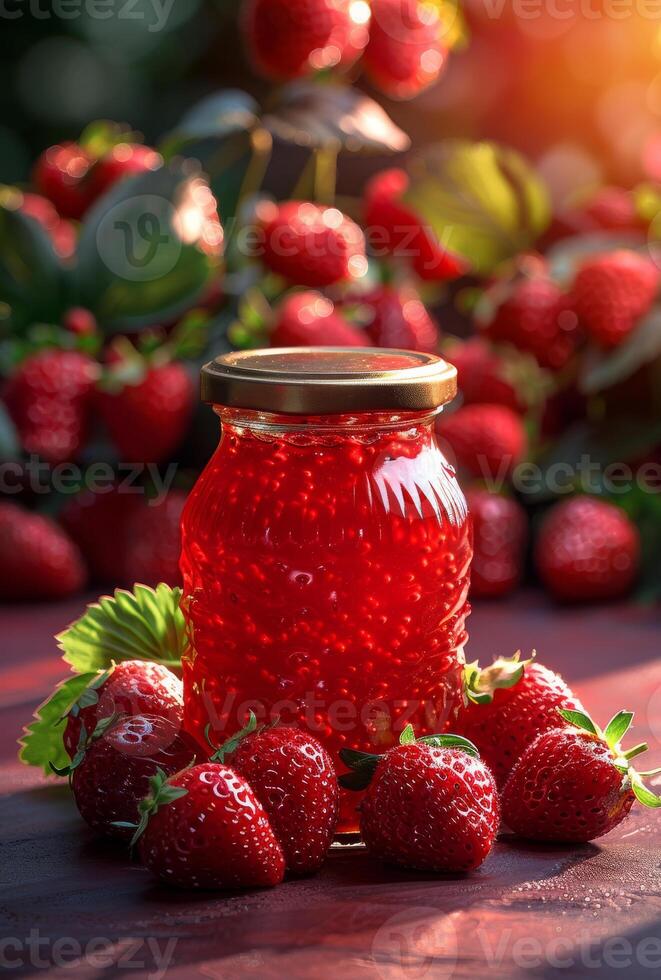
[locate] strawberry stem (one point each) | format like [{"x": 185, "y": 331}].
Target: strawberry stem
[{"x": 636, "y": 750}]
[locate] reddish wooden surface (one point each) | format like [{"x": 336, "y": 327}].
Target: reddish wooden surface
[{"x": 529, "y": 911}]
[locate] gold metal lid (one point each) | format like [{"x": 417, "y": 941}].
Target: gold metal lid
[{"x": 329, "y": 380}]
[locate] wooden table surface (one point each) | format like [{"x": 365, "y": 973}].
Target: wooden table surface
[{"x": 77, "y": 906}]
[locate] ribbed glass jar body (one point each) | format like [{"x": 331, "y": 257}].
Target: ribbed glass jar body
[{"x": 326, "y": 569}]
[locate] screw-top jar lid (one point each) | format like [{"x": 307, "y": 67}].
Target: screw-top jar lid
[{"x": 329, "y": 380}]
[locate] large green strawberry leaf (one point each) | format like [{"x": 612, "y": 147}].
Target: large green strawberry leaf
[
  {"x": 41, "y": 742},
  {"x": 333, "y": 117},
  {"x": 148, "y": 248},
  {"x": 145, "y": 624},
  {"x": 31, "y": 276},
  {"x": 214, "y": 118},
  {"x": 482, "y": 201},
  {"x": 603, "y": 369}
]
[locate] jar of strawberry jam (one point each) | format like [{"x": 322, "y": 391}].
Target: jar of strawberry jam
[{"x": 326, "y": 550}]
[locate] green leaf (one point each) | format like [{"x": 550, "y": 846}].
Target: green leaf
[
  {"x": 31, "y": 276},
  {"x": 617, "y": 727},
  {"x": 504, "y": 672},
  {"x": 148, "y": 249},
  {"x": 10, "y": 447},
  {"x": 217, "y": 116},
  {"x": 232, "y": 744},
  {"x": 603, "y": 369},
  {"x": 579, "y": 720},
  {"x": 643, "y": 794},
  {"x": 333, "y": 117},
  {"x": 451, "y": 742},
  {"x": 482, "y": 201},
  {"x": 41, "y": 743},
  {"x": 161, "y": 794},
  {"x": 145, "y": 624},
  {"x": 407, "y": 736}
]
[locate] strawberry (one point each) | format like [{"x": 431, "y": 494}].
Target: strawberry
[
  {"x": 146, "y": 406},
  {"x": 508, "y": 705},
  {"x": 483, "y": 375},
  {"x": 310, "y": 320},
  {"x": 500, "y": 533},
  {"x": 487, "y": 440},
  {"x": 531, "y": 312},
  {"x": 153, "y": 541},
  {"x": 111, "y": 769},
  {"x": 61, "y": 233},
  {"x": 290, "y": 38},
  {"x": 294, "y": 779},
  {"x": 311, "y": 245},
  {"x": 132, "y": 687},
  {"x": 205, "y": 828},
  {"x": 398, "y": 318},
  {"x": 587, "y": 549},
  {"x": 430, "y": 804},
  {"x": 79, "y": 321},
  {"x": 575, "y": 784},
  {"x": 405, "y": 53},
  {"x": 59, "y": 175},
  {"x": 395, "y": 229},
  {"x": 606, "y": 209},
  {"x": 97, "y": 522},
  {"x": 37, "y": 557},
  {"x": 612, "y": 292},
  {"x": 121, "y": 161},
  {"x": 49, "y": 398}
]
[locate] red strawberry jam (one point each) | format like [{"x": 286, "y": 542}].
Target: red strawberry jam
[{"x": 326, "y": 553}]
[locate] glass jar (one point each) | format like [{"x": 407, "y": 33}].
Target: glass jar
[{"x": 326, "y": 550}]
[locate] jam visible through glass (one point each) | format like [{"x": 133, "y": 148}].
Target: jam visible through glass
[{"x": 325, "y": 566}]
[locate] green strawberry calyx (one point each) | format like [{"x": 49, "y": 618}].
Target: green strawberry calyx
[
  {"x": 362, "y": 765},
  {"x": 85, "y": 741},
  {"x": 612, "y": 735},
  {"x": 90, "y": 695},
  {"x": 231, "y": 745},
  {"x": 480, "y": 684},
  {"x": 161, "y": 793}
]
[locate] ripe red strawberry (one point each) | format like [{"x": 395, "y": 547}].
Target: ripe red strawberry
[
  {"x": 49, "y": 398},
  {"x": 59, "y": 175},
  {"x": 488, "y": 441},
  {"x": 294, "y": 779},
  {"x": 431, "y": 804},
  {"x": 405, "y": 53},
  {"x": 132, "y": 687},
  {"x": 500, "y": 534},
  {"x": 575, "y": 784},
  {"x": 121, "y": 161},
  {"x": 79, "y": 321},
  {"x": 587, "y": 549},
  {"x": 607, "y": 209},
  {"x": 147, "y": 408},
  {"x": 510, "y": 704},
  {"x": 393, "y": 228},
  {"x": 153, "y": 541},
  {"x": 311, "y": 320},
  {"x": 61, "y": 233},
  {"x": 205, "y": 828},
  {"x": 97, "y": 522},
  {"x": 612, "y": 292},
  {"x": 399, "y": 318},
  {"x": 38, "y": 560},
  {"x": 311, "y": 245},
  {"x": 290, "y": 38},
  {"x": 530, "y": 311},
  {"x": 111, "y": 770},
  {"x": 484, "y": 376}
]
